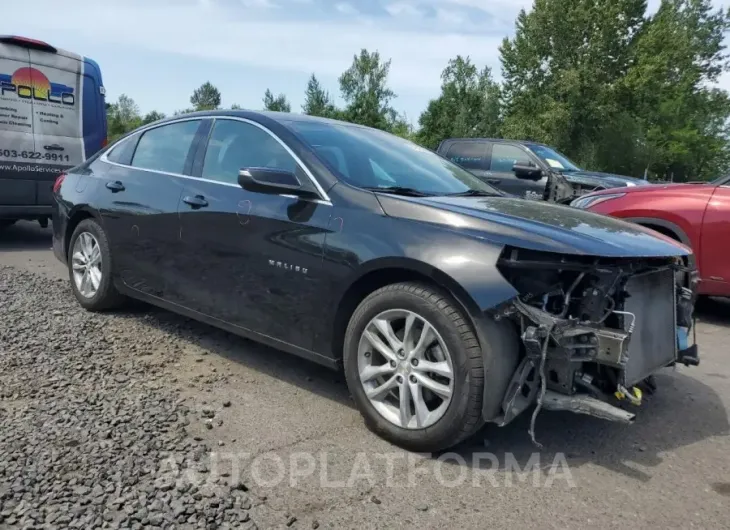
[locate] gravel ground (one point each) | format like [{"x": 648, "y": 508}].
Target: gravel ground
[
  {"x": 91, "y": 428},
  {"x": 122, "y": 419}
]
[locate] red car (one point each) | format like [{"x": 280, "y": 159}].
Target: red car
[{"x": 696, "y": 214}]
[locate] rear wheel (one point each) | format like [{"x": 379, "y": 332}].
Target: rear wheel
[
  {"x": 89, "y": 267},
  {"x": 414, "y": 367}
]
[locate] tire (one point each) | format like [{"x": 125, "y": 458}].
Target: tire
[
  {"x": 6, "y": 223},
  {"x": 463, "y": 414},
  {"x": 106, "y": 295}
]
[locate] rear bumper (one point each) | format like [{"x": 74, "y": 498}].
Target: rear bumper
[{"x": 25, "y": 212}]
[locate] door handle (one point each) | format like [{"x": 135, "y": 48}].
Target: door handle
[
  {"x": 195, "y": 202},
  {"x": 115, "y": 186},
  {"x": 493, "y": 181}
]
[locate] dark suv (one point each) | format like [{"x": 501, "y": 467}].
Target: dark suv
[
  {"x": 524, "y": 168},
  {"x": 446, "y": 302}
]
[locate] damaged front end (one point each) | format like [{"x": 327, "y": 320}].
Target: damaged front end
[{"x": 594, "y": 330}]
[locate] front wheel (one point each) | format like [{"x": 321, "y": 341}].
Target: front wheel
[
  {"x": 414, "y": 367},
  {"x": 90, "y": 266}
]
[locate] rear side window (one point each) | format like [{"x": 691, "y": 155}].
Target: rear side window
[
  {"x": 123, "y": 151},
  {"x": 470, "y": 155},
  {"x": 235, "y": 145},
  {"x": 166, "y": 148},
  {"x": 505, "y": 156}
]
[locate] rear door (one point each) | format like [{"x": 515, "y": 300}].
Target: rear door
[
  {"x": 17, "y": 186},
  {"x": 504, "y": 157},
  {"x": 142, "y": 179}
]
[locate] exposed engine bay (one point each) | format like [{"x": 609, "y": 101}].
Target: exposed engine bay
[{"x": 594, "y": 330}]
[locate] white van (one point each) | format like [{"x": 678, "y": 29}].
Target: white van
[{"x": 52, "y": 117}]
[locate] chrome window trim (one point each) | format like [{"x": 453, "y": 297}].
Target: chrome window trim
[{"x": 325, "y": 200}]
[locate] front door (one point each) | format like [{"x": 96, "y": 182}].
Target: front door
[
  {"x": 504, "y": 157},
  {"x": 253, "y": 260}
]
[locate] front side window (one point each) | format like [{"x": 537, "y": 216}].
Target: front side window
[
  {"x": 166, "y": 148},
  {"x": 470, "y": 155},
  {"x": 505, "y": 156},
  {"x": 235, "y": 145}
]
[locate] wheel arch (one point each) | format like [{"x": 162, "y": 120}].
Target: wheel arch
[
  {"x": 668, "y": 229},
  {"x": 498, "y": 341},
  {"x": 387, "y": 271},
  {"x": 75, "y": 216}
]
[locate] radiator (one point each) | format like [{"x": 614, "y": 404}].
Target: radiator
[{"x": 653, "y": 344}]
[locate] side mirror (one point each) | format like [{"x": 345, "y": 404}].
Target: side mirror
[
  {"x": 527, "y": 171},
  {"x": 272, "y": 181}
]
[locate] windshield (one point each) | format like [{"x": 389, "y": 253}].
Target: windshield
[
  {"x": 552, "y": 158},
  {"x": 720, "y": 181},
  {"x": 368, "y": 158}
]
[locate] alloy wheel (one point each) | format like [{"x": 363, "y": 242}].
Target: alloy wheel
[
  {"x": 86, "y": 264},
  {"x": 405, "y": 369}
]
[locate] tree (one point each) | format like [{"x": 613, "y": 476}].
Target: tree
[
  {"x": 317, "y": 101},
  {"x": 619, "y": 91},
  {"x": 365, "y": 90},
  {"x": 276, "y": 103},
  {"x": 468, "y": 106},
  {"x": 562, "y": 73},
  {"x": 122, "y": 117},
  {"x": 152, "y": 116},
  {"x": 236, "y": 106},
  {"x": 207, "y": 97},
  {"x": 684, "y": 122}
]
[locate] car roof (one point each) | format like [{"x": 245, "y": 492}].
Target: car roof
[{"x": 281, "y": 117}]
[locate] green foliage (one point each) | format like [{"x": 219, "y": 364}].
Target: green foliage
[
  {"x": 317, "y": 101},
  {"x": 276, "y": 103},
  {"x": 468, "y": 106},
  {"x": 152, "y": 116},
  {"x": 207, "y": 97},
  {"x": 684, "y": 121},
  {"x": 122, "y": 117},
  {"x": 618, "y": 91},
  {"x": 364, "y": 87}
]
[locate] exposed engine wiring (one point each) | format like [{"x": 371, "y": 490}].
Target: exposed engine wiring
[{"x": 543, "y": 386}]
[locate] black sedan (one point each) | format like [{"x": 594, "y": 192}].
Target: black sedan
[{"x": 448, "y": 304}]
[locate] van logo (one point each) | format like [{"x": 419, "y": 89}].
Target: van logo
[
  {"x": 287, "y": 266},
  {"x": 31, "y": 83}
]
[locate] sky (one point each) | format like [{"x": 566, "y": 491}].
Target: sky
[{"x": 159, "y": 51}]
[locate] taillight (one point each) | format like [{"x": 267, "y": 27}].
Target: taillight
[
  {"x": 59, "y": 181},
  {"x": 104, "y": 142}
]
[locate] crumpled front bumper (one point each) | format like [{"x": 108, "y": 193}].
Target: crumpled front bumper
[{"x": 657, "y": 322}]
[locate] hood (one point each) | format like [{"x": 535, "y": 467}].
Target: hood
[
  {"x": 536, "y": 225},
  {"x": 608, "y": 180}
]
